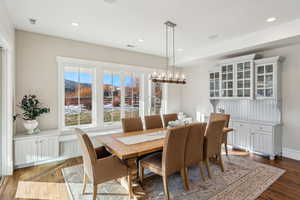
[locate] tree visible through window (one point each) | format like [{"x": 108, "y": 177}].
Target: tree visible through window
[{"x": 78, "y": 96}]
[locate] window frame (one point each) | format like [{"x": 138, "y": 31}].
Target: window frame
[
  {"x": 97, "y": 95},
  {"x": 61, "y": 95}
]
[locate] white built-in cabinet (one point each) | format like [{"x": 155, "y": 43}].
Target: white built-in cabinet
[
  {"x": 34, "y": 149},
  {"x": 257, "y": 137},
  {"x": 245, "y": 78}
]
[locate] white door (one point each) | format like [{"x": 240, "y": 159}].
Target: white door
[
  {"x": 47, "y": 148},
  {"x": 242, "y": 136},
  {"x": 25, "y": 151}
]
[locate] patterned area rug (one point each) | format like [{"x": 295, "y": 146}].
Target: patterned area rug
[{"x": 243, "y": 179}]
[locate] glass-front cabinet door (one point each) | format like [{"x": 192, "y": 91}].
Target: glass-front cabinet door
[
  {"x": 244, "y": 79},
  {"x": 227, "y": 80},
  {"x": 265, "y": 81},
  {"x": 214, "y": 85}
]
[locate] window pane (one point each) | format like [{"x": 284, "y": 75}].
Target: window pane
[
  {"x": 78, "y": 95},
  {"x": 85, "y": 93},
  {"x": 72, "y": 111},
  {"x": 156, "y": 98},
  {"x": 132, "y": 96},
  {"x": 269, "y": 68},
  {"x": 71, "y": 80},
  {"x": 260, "y": 69},
  {"x": 107, "y": 97}
]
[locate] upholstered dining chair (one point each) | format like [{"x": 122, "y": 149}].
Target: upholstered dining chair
[
  {"x": 226, "y": 118},
  {"x": 171, "y": 160},
  {"x": 132, "y": 124},
  {"x": 194, "y": 154},
  {"x": 153, "y": 122},
  {"x": 100, "y": 170},
  {"x": 169, "y": 117},
  {"x": 213, "y": 143}
]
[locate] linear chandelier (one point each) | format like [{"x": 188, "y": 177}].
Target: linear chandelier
[{"x": 169, "y": 75}]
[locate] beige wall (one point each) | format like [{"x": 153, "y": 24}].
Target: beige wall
[
  {"x": 37, "y": 70},
  {"x": 195, "y": 93}
]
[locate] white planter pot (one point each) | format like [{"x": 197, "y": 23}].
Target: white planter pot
[{"x": 30, "y": 126}]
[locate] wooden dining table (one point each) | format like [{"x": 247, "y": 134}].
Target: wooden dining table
[{"x": 131, "y": 153}]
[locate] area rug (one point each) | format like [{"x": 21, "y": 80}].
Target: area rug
[{"x": 243, "y": 179}]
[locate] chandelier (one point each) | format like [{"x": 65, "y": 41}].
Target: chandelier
[{"x": 169, "y": 75}]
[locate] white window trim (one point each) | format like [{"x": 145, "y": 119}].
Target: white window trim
[{"x": 100, "y": 68}]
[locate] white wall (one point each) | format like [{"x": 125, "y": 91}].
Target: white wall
[
  {"x": 37, "y": 70},
  {"x": 195, "y": 93},
  {"x": 7, "y": 36}
]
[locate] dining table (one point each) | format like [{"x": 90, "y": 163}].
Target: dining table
[{"x": 131, "y": 146}]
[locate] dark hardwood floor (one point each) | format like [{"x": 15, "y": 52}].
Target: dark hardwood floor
[{"x": 287, "y": 187}]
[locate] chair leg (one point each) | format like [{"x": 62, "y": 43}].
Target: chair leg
[
  {"x": 129, "y": 177},
  {"x": 201, "y": 170},
  {"x": 226, "y": 148},
  {"x": 85, "y": 179},
  {"x": 207, "y": 167},
  {"x": 95, "y": 192},
  {"x": 221, "y": 162},
  {"x": 166, "y": 188},
  {"x": 141, "y": 173},
  {"x": 183, "y": 173}
]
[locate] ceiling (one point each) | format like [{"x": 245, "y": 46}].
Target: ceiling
[{"x": 120, "y": 22}]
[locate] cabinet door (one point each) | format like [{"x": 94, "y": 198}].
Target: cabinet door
[
  {"x": 48, "y": 148},
  {"x": 227, "y": 80},
  {"x": 25, "y": 151},
  {"x": 244, "y": 79},
  {"x": 214, "y": 85},
  {"x": 262, "y": 142},
  {"x": 230, "y": 138},
  {"x": 265, "y": 75},
  {"x": 242, "y": 136}
]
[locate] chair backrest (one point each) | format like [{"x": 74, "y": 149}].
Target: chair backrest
[
  {"x": 153, "y": 121},
  {"x": 214, "y": 134},
  {"x": 88, "y": 152},
  {"x": 174, "y": 149},
  {"x": 194, "y": 143},
  {"x": 132, "y": 124},
  {"x": 169, "y": 117},
  {"x": 219, "y": 116}
]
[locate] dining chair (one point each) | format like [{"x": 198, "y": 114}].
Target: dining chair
[
  {"x": 153, "y": 122},
  {"x": 100, "y": 170},
  {"x": 226, "y": 117},
  {"x": 169, "y": 117},
  {"x": 132, "y": 124},
  {"x": 194, "y": 154},
  {"x": 213, "y": 143},
  {"x": 171, "y": 160}
]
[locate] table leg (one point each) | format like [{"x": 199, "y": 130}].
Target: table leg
[{"x": 138, "y": 192}]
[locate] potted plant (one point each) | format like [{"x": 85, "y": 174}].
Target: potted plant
[{"x": 32, "y": 109}]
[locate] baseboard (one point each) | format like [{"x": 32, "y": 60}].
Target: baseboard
[{"x": 291, "y": 153}]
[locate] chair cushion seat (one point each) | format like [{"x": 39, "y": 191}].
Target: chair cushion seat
[{"x": 153, "y": 162}]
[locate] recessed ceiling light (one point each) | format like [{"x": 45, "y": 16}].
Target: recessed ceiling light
[
  {"x": 130, "y": 45},
  {"x": 32, "y": 21},
  {"x": 212, "y": 37},
  {"x": 141, "y": 40},
  {"x": 75, "y": 24},
  {"x": 271, "y": 19},
  {"x": 180, "y": 49},
  {"x": 110, "y": 1}
]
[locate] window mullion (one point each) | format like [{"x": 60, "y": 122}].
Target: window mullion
[{"x": 78, "y": 97}]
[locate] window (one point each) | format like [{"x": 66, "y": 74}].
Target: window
[
  {"x": 121, "y": 96},
  {"x": 95, "y": 95},
  {"x": 156, "y": 98},
  {"x": 78, "y": 96}
]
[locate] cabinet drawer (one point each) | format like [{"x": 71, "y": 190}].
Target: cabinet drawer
[{"x": 263, "y": 128}]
